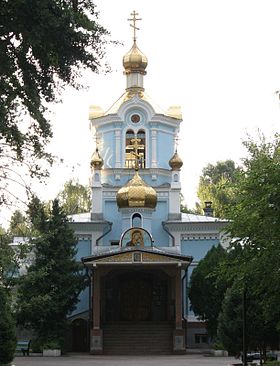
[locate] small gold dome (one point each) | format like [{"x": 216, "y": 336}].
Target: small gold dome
[
  {"x": 136, "y": 193},
  {"x": 135, "y": 61},
  {"x": 96, "y": 160},
  {"x": 176, "y": 162}
]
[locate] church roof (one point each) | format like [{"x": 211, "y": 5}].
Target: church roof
[
  {"x": 187, "y": 217},
  {"x": 151, "y": 255},
  {"x": 81, "y": 217},
  {"x": 127, "y": 96},
  {"x": 173, "y": 111}
]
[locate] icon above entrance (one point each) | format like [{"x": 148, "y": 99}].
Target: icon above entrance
[{"x": 136, "y": 237}]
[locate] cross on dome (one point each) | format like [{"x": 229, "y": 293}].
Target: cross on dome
[{"x": 134, "y": 19}]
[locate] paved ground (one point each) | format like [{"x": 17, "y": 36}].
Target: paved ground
[{"x": 87, "y": 360}]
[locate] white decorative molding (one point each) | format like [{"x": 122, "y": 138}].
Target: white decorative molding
[
  {"x": 134, "y": 103},
  {"x": 191, "y": 237},
  {"x": 83, "y": 237}
]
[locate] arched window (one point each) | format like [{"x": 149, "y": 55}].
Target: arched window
[
  {"x": 136, "y": 220},
  {"x": 129, "y": 157},
  {"x": 142, "y": 148}
]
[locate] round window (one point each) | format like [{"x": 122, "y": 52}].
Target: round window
[{"x": 135, "y": 118}]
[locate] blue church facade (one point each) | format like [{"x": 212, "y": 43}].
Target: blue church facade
[{"x": 138, "y": 248}]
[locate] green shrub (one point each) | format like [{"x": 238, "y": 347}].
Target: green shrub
[
  {"x": 8, "y": 339},
  {"x": 272, "y": 363}
]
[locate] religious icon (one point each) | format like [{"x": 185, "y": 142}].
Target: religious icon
[{"x": 136, "y": 239}]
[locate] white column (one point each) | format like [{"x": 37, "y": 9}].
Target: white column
[
  {"x": 174, "y": 196},
  {"x": 96, "y": 195},
  {"x": 118, "y": 148},
  {"x": 154, "y": 148}
]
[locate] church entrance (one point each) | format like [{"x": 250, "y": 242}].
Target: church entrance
[
  {"x": 135, "y": 296},
  {"x": 137, "y": 302},
  {"x": 135, "y": 317}
]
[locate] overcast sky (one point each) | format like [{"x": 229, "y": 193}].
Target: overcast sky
[{"x": 218, "y": 59}]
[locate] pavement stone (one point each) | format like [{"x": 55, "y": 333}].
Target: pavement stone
[{"x": 89, "y": 360}]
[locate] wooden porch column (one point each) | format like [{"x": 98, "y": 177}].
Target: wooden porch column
[
  {"x": 178, "y": 299},
  {"x": 96, "y": 343},
  {"x": 179, "y": 332}
]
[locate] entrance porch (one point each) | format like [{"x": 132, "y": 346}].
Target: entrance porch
[{"x": 137, "y": 302}]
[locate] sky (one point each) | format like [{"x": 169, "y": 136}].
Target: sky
[{"x": 218, "y": 59}]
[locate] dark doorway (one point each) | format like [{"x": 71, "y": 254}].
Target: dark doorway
[
  {"x": 135, "y": 299},
  {"x": 135, "y": 296},
  {"x": 79, "y": 332}
]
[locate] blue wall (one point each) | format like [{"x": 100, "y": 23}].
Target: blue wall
[
  {"x": 161, "y": 238},
  {"x": 83, "y": 248},
  {"x": 198, "y": 248},
  {"x": 83, "y": 304},
  {"x": 112, "y": 214},
  {"x": 165, "y": 149}
]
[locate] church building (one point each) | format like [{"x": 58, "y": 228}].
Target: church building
[{"x": 137, "y": 247}]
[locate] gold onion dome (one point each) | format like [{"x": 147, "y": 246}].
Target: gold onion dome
[
  {"x": 135, "y": 61},
  {"x": 176, "y": 162},
  {"x": 96, "y": 160},
  {"x": 136, "y": 193}
]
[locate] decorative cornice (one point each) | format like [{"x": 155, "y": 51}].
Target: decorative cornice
[
  {"x": 194, "y": 227},
  {"x": 199, "y": 236}
]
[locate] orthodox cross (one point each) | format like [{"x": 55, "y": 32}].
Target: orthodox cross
[
  {"x": 136, "y": 146},
  {"x": 176, "y": 143},
  {"x": 134, "y": 19}
]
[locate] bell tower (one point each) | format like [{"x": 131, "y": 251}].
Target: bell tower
[{"x": 139, "y": 178}]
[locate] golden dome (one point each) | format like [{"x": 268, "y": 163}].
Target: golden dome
[
  {"x": 96, "y": 160},
  {"x": 136, "y": 193},
  {"x": 176, "y": 162},
  {"x": 135, "y": 61}
]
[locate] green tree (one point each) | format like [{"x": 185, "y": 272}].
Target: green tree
[
  {"x": 255, "y": 220},
  {"x": 260, "y": 333},
  {"x": 43, "y": 46},
  {"x": 49, "y": 291},
  {"x": 230, "y": 321},
  {"x": 184, "y": 208},
  {"x": 215, "y": 186},
  {"x": 75, "y": 198},
  {"x": 7, "y": 328},
  {"x": 10, "y": 260},
  {"x": 206, "y": 291},
  {"x": 254, "y": 227},
  {"x": 19, "y": 224}
]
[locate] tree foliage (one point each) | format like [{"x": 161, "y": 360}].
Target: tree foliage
[
  {"x": 10, "y": 260},
  {"x": 260, "y": 333},
  {"x": 206, "y": 293},
  {"x": 19, "y": 225},
  {"x": 215, "y": 186},
  {"x": 252, "y": 262},
  {"x": 255, "y": 223},
  {"x": 43, "y": 45},
  {"x": 49, "y": 291},
  {"x": 75, "y": 198},
  {"x": 7, "y": 328}
]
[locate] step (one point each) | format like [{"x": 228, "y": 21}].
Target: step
[{"x": 137, "y": 338}]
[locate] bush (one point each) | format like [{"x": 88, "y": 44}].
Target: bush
[
  {"x": 272, "y": 363},
  {"x": 7, "y": 329}
]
